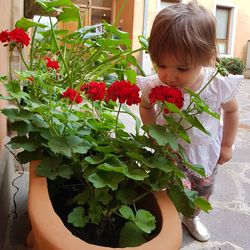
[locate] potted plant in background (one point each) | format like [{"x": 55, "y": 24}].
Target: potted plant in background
[{"x": 68, "y": 100}]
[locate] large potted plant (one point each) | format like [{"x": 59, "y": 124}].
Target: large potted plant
[{"x": 68, "y": 101}]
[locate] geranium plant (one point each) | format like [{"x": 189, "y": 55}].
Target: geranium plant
[{"x": 68, "y": 100}]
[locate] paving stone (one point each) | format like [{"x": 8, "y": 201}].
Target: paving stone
[
  {"x": 246, "y": 187},
  {"x": 247, "y": 174},
  {"x": 225, "y": 188}
]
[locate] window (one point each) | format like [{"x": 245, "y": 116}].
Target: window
[
  {"x": 223, "y": 19},
  {"x": 95, "y": 11}
]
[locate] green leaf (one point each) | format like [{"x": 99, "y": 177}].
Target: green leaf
[
  {"x": 143, "y": 41},
  {"x": 12, "y": 114},
  {"x": 132, "y": 60},
  {"x": 108, "y": 167},
  {"x": 95, "y": 212},
  {"x": 127, "y": 213},
  {"x": 3, "y": 79},
  {"x": 135, "y": 173},
  {"x": 172, "y": 107},
  {"x": 161, "y": 163},
  {"x": 102, "y": 179},
  {"x": 106, "y": 149},
  {"x": 126, "y": 195},
  {"x": 25, "y": 156},
  {"x": 201, "y": 104},
  {"x": 183, "y": 200},
  {"x": 110, "y": 43},
  {"x": 60, "y": 145},
  {"x": 24, "y": 143},
  {"x": 158, "y": 133},
  {"x": 198, "y": 169},
  {"x": 172, "y": 141},
  {"x": 102, "y": 195},
  {"x": 50, "y": 6},
  {"x": 193, "y": 120},
  {"x": 53, "y": 167},
  {"x": 203, "y": 204},
  {"x": 78, "y": 145},
  {"x": 25, "y": 24},
  {"x": 98, "y": 159},
  {"x": 21, "y": 127},
  {"x": 131, "y": 75},
  {"x": 39, "y": 122},
  {"x": 119, "y": 33},
  {"x": 183, "y": 134},
  {"x": 145, "y": 221},
  {"x": 131, "y": 236},
  {"x": 69, "y": 14},
  {"x": 135, "y": 156},
  {"x": 82, "y": 197},
  {"x": 77, "y": 218},
  {"x": 25, "y": 115}
]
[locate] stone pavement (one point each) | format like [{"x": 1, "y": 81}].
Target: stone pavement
[{"x": 229, "y": 221}]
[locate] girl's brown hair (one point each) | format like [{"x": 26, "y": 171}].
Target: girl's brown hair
[{"x": 187, "y": 31}]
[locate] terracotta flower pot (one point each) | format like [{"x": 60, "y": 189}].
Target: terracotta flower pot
[{"x": 49, "y": 233}]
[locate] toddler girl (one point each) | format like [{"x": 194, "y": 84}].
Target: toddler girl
[{"x": 182, "y": 46}]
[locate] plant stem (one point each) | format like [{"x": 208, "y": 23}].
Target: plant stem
[
  {"x": 119, "y": 13},
  {"x": 32, "y": 45},
  {"x": 21, "y": 54},
  {"x": 141, "y": 196},
  {"x": 116, "y": 120},
  {"x": 57, "y": 46},
  {"x": 10, "y": 67},
  {"x": 215, "y": 74},
  {"x": 114, "y": 58}
]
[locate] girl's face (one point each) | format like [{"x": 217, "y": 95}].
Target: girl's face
[{"x": 175, "y": 73}]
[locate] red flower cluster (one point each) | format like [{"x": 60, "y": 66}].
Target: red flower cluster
[
  {"x": 166, "y": 94},
  {"x": 72, "y": 95},
  {"x": 17, "y": 35},
  {"x": 124, "y": 91},
  {"x": 52, "y": 64},
  {"x": 94, "y": 90},
  {"x": 4, "y": 36}
]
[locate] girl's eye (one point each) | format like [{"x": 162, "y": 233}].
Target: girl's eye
[
  {"x": 183, "y": 69},
  {"x": 161, "y": 66}
]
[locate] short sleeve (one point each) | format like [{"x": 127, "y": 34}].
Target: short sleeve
[
  {"x": 229, "y": 86},
  {"x": 146, "y": 84}
]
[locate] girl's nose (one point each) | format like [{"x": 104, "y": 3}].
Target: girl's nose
[{"x": 170, "y": 76}]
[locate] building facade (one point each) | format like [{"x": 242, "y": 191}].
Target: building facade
[{"x": 136, "y": 17}]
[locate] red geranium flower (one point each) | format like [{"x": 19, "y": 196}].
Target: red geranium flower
[
  {"x": 166, "y": 94},
  {"x": 124, "y": 91},
  {"x": 4, "y": 36},
  {"x": 73, "y": 95},
  {"x": 19, "y": 36},
  {"x": 53, "y": 64},
  {"x": 94, "y": 90}
]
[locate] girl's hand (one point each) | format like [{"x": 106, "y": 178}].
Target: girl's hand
[{"x": 225, "y": 154}]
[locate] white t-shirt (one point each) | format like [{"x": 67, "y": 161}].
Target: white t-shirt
[{"x": 203, "y": 149}]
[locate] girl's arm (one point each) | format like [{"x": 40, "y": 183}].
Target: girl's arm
[
  {"x": 147, "y": 112},
  {"x": 230, "y": 125}
]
